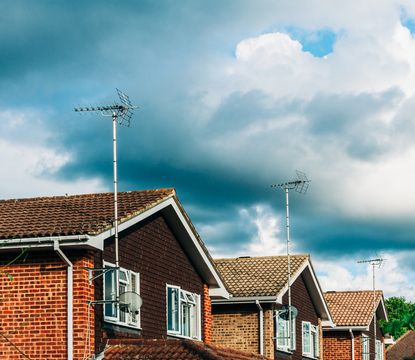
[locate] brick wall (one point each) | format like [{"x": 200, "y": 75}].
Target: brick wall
[
  {"x": 33, "y": 306},
  {"x": 207, "y": 315},
  {"x": 236, "y": 326},
  {"x": 338, "y": 346}
]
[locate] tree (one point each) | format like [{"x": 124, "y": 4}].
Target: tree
[{"x": 401, "y": 314}]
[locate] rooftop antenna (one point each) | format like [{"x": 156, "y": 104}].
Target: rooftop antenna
[
  {"x": 121, "y": 114},
  {"x": 376, "y": 262},
  {"x": 300, "y": 185}
]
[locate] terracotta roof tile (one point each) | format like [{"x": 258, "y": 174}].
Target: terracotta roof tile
[
  {"x": 352, "y": 308},
  {"x": 172, "y": 349},
  {"x": 72, "y": 215},
  {"x": 257, "y": 276}
]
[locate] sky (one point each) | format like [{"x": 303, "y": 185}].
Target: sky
[{"x": 233, "y": 96}]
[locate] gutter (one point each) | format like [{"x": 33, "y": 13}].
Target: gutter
[
  {"x": 352, "y": 338},
  {"x": 69, "y": 296},
  {"x": 41, "y": 241},
  {"x": 261, "y": 328}
]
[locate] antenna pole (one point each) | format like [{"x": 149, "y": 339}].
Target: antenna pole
[
  {"x": 117, "y": 260},
  {"x": 300, "y": 185},
  {"x": 287, "y": 207},
  {"x": 373, "y": 262}
]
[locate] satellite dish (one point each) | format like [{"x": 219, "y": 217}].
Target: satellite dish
[
  {"x": 131, "y": 302},
  {"x": 284, "y": 313}
]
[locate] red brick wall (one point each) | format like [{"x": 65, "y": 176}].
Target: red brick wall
[
  {"x": 33, "y": 306},
  {"x": 338, "y": 346},
  {"x": 207, "y": 315},
  {"x": 151, "y": 249}
]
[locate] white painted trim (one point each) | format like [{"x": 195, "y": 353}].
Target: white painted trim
[
  {"x": 246, "y": 300},
  {"x": 346, "y": 328}
]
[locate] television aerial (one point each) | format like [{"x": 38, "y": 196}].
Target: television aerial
[
  {"x": 284, "y": 312},
  {"x": 130, "y": 302}
]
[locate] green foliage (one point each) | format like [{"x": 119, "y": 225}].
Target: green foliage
[{"x": 401, "y": 314}]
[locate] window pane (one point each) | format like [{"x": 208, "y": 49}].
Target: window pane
[
  {"x": 306, "y": 338},
  {"x": 109, "y": 293},
  {"x": 123, "y": 276},
  {"x": 186, "y": 320},
  {"x": 173, "y": 309},
  {"x": 133, "y": 282}
]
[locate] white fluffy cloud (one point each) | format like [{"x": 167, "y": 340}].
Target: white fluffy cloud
[{"x": 29, "y": 162}]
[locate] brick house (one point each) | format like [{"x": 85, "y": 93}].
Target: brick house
[
  {"x": 51, "y": 302},
  {"x": 403, "y": 348},
  {"x": 352, "y": 337},
  {"x": 252, "y": 318}
]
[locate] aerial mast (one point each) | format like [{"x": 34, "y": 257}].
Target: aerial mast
[{"x": 300, "y": 185}]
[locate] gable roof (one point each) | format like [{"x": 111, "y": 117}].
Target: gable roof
[
  {"x": 265, "y": 279},
  {"x": 88, "y": 214},
  {"x": 257, "y": 276},
  {"x": 354, "y": 308},
  {"x": 87, "y": 220},
  {"x": 173, "y": 349}
]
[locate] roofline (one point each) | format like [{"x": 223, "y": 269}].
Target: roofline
[
  {"x": 247, "y": 300},
  {"x": 27, "y": 242},
  {"x": 346, "y": 328},
  {"x": 307, "y": 264}
]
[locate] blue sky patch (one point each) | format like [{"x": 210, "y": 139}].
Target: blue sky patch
[{"x": 319, "y": 43}]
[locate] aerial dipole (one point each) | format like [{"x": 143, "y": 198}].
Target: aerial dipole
[
  {"x": 377, "y": 262},
  {"x": 121, "y": 114},
  {"x": 300, "y": 185}
]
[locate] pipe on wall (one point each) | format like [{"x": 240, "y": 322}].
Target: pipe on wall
[
  {"x": 352, "y": 338},
  {"x": 261, "y": 327},
  {"x": 69, "y": 295}
]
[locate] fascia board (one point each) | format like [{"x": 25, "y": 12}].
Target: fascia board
[
  {"x": 245, "y": 300},
  {"x": 347, "y": 328}
]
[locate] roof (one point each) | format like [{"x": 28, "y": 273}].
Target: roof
[
  {"x": 258, "y": 276},
  {"x": 173, "y": 349},
  {"x": 404, "y": 346},
  {"x": 88, "y": 214},
  {"x": 352, "y": 308}
]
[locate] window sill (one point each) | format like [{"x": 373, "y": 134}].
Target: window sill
[
  {"x": 289, "y": 352},
  {"x": 309, "y": 357},
  {"x": 182, "y": 336},
  {"x": 124, "y": 325}
]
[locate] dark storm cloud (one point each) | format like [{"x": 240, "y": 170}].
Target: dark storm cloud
[{"x": 55, "y": 54}]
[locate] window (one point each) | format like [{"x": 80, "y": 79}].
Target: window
[
  {"x": 311, "y": 346},
  {"x": 379, "y": 350},
  {"x": 365, "y": 347},
  {"x": 282, "y": 333},
  {"x": 128, "y": 281},
  {"x": 183, "y": 313}
]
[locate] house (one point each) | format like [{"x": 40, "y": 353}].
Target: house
[
  {"x": 353, "y": 336},
  {"x": 58, "y": 274},
  {"x": 403, "y": 348},
  {"x": 252, "y": 319}
]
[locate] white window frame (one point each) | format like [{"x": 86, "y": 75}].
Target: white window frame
[
  {"x": 190, "y": 302},
  {"x": 124, "y": 319},
  {"x": 365, "y": 347},
  {"x": 378, "y": 350},
  {"x": 312, "y": 335},
  {"x": 281, "y": 335}
]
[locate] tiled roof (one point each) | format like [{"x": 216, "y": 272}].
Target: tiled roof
[
  {"x": 257, "y": 276},
  {"x": 352, "y": 308},
  {"x": 72, "y": 215},
  {"x": 173, "y": 349}
]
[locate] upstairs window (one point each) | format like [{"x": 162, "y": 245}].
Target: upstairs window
[
  {"x": 311, "y": 345},
  {"x": 365, "y": 347},
  {"x": 282, "y": 333},
  {"x": 128, "y": 281},
  {"x": 183, "y": 313},
  {"x": 379, "y": 350}
]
